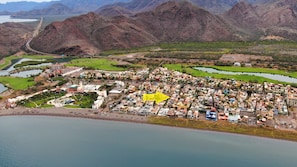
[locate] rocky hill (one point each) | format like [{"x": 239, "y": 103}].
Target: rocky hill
[
  {"x": 175, "y": 22},
  {"x": 111, "y": 11},
  {"x": 136, "y": 6},
  {"x": 12, "y": 37},
  {"x": 132, "y": 7},
  {"x": 270, "y": 19},
  {"x": 244, "y": 14},
  {"x": 89, "y": 34},
  {"x": 169, "y": 22}
]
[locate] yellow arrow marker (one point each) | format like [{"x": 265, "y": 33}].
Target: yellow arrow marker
[
  {"x": 158, "y": 97},
  {"x": 148, "y": 97}
]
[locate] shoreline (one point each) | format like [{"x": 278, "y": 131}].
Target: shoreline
[
  {"x": 88, "y": 114},
  {"x": 74, "y": 113}
]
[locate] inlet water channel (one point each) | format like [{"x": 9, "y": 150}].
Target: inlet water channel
[
  {"x": 23, "y": 74},
  {"x": 276, "y": 77},
  {"x": 27, "y": 73}
]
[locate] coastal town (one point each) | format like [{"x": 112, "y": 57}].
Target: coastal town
[
  {"x": 171, "y": 94},
  {"x": 147, "y": 83}
]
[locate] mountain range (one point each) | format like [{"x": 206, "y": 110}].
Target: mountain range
[
  {"x": 169, "y": 22},
  {"x": 274, "y": 19},
  {"x": 54, "y": 9},
  {"x": 143, "y": 22},
  {"x": 136, "y": 6},
  {"x": 11, "y": 7},
  {"x": 79, "y": 6},
  {"x": 84, "y": 6}
]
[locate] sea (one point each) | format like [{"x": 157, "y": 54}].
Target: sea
[
  {"x": 41, "y": 141},
  {"x": 7, "y": 18}
]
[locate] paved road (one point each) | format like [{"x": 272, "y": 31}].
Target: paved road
[{"x": 35, "y": 34}]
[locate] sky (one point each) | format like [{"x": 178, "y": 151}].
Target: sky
[{"x": 4, "y": 1}]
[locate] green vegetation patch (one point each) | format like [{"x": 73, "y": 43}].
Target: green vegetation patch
[
  {"x": 84, "y": 100},
  {"x": 127, "y": 51},
  {"x": 205, "y": 46},
  {"x": 28, "y": 63},
  {"x": 97, "y": 64},
  {"x": 281, "y": 51},
  {"x": 41, "y": 100},
  {"x": 223, "y": 126},
  {"x": 17, "y": 83},
  {"x": 197, "y": 73},
  {"x": 7, "y": 60},
  {"x": 37, "y": 56},
  {"x": 61, "y": 80},
  {"x": 254, "y": 70},
  {"x": 250, "y": 47},
  {"x": 185, "y": 55}
]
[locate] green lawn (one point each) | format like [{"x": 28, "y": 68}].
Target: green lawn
[
  {"x": 98, "y": 64},
  {"x": 17, "y": 83},
  {"x": 197, "y": 73}
]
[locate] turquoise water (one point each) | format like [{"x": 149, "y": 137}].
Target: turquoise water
[{"x": 29, "y": 141}]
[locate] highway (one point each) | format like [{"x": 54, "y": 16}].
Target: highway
[{"x": 35, "y": 34}]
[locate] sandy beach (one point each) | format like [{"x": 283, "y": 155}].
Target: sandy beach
[
  {"x": 79, "y": 113},
  {"x": 94, "y": 114}
]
